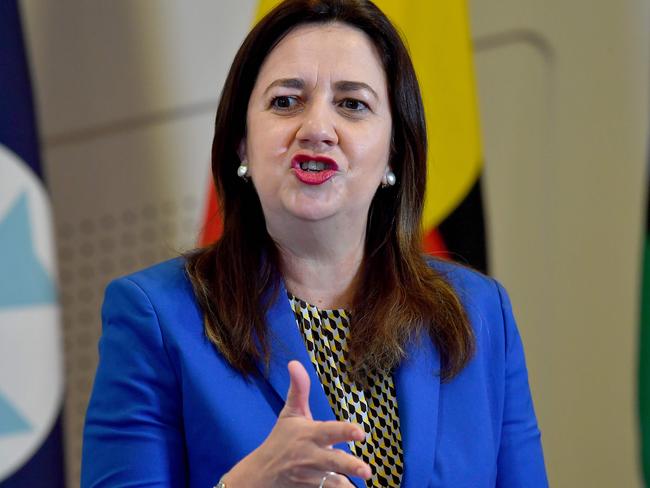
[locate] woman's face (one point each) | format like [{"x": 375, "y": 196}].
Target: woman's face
[{"x": 318, "y": 126}]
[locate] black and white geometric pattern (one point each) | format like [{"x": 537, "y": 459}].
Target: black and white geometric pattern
[{"x": 375, "y": 408}]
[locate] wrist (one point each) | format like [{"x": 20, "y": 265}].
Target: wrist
[{"x": 242, "y": 474}]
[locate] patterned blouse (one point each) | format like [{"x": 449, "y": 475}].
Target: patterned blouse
[{"x": 375, "y": 408}]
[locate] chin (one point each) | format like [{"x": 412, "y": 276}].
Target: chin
[
  {"x": 311, "y": 214},
  {"x": 312, "y": 204}
]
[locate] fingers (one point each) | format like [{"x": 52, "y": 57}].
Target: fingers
[
  {"x": 297, "y": 404},
  {"x": 343, "y": 463},
  {"x": 333, "y": 432},
  {"x": 314, "y": 477},
  {"x": 341, "y": 482},
  {"x": 334, "y": 461},
  {"x": 335, "y": 481}
]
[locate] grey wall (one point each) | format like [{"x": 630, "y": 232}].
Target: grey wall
[{"x": 564, "y": 99}]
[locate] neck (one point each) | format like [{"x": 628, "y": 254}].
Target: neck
[{"x": 320, "y": 261}]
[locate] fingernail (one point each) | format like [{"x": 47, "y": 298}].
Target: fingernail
[{"x": 364, "y": 472}]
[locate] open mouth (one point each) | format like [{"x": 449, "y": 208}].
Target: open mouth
[
  {"x": 313, "y": 166},
  {"x": 312, "y": 169}
]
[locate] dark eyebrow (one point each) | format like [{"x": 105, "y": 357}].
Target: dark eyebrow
[
  {"x": 296, "y": 83},
  {"x": 348, "y": 86},
  {"x": 345, "y": 86}
]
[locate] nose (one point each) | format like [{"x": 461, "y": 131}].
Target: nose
[{"x": 317, "y": 130}]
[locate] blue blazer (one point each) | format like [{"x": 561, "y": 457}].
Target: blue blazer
[{"x": 168, "y": 410}]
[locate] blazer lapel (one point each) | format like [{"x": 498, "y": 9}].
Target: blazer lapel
[
  {"x": 417, "y": 382},
  {"x": 286, "y": 344}
]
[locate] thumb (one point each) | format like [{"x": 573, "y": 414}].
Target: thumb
[{"x": 297, "y": 404}]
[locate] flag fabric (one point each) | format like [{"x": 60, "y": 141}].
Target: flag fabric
[
  {"x": 438, "y": 38},
  {"x": 644, "y": 348},
  {"x": 31, "y": 367}
]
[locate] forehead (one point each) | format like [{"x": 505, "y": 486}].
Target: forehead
[{"x": 316, "y": 52}]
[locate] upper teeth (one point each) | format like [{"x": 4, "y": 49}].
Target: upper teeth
[{"x": 312, "y": 165}]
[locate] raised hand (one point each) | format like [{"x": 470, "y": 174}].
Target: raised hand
[{"x": 298, "y": 452}]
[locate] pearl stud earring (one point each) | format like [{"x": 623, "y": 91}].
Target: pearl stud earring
[
  {"x": 242, "y": 171},
  {"x": 391, "y": 179}
]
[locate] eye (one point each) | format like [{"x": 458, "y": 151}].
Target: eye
[
  {"x": 354, "y": 105},
  {"x": 284, "y": 102}
]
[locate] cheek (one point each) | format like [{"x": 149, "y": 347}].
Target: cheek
[
  {"x": 266, "y": 142},
  {"x": 370, "y": 154},
  {"x": 266, "y": 149}
]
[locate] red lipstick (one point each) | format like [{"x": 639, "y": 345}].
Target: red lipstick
[{"x": 313, "y": 169}]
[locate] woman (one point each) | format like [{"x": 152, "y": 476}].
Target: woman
[{"x": 210, "y": 365}]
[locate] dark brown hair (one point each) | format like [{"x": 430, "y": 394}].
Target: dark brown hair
[{"x": 400, "y": 297}]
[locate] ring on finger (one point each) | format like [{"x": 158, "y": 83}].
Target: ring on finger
[{"x": 324, "y": 478}]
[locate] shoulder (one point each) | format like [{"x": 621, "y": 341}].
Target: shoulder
[
  {"x": 165, "y": 277},
  {"x": 162, "y": 291},
  {"x": 486, "y": 303},
  {"x": 165, "y": 281},
  {"x": 473, "y": 287}
]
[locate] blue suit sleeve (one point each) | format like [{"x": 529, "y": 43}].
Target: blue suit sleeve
[
  {"x": 520, "y": 460},
  {"x": 133, "y": 434}
]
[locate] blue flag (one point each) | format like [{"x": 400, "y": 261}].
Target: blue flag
[{"x": 31, "y": 366}]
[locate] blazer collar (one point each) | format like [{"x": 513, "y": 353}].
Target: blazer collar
[{"x": 416, "y": 381}]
